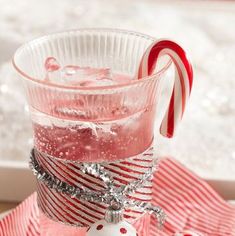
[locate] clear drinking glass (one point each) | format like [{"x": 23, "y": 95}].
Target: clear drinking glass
[{"x": 95, "y": 123}]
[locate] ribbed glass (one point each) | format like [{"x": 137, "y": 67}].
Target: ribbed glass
[{"x": 90, "y": 123}]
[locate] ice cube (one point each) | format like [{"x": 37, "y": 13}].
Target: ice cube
[
  {"x": 77, "y": 76},
  {"x": 86, "y": 76}
]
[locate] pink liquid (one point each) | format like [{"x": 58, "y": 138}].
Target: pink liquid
[{"x": 119, "y": 134}]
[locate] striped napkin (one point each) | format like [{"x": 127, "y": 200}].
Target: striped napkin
[{"x": 192, "y": 207}]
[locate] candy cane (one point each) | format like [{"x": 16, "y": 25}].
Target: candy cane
[{"x": 182, "y": 84}]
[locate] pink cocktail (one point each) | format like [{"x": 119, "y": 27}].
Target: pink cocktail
[
  {"x": 89, "y": 106},
  {"x": 76, "y": 132}
]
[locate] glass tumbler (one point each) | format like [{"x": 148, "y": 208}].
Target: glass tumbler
[{"x": 97, "y": 123}]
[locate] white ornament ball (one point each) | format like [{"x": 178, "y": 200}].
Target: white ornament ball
[{"x": 102, "y": 228}]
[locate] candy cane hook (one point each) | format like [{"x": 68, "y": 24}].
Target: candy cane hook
[{"x": 182, "y": 84}]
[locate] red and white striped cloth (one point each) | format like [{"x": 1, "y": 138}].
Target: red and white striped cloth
[{"x": 190, "y": 204}]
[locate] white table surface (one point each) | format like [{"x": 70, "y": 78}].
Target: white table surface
[{"x": 2, "y": 215}]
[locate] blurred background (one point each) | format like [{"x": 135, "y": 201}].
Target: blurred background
[{"x": 205, "y": 140}]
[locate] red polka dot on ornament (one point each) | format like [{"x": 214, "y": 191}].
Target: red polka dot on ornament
[
  {"x": 123, "y": 231},
  {"x": 104, "y": 228},
  {"x": 99, "y": 227}
]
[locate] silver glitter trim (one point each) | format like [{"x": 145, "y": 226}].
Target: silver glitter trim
[
  {"x": 98, "y": 171},
  {"x": 116, "y": 198}
]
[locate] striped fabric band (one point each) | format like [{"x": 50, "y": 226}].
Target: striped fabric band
[{"x": 73, "y": 211}]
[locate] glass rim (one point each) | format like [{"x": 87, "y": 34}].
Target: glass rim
[{"x": 73, "y": 87}]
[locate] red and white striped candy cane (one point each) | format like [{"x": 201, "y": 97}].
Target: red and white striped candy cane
[{"x": 182, "y": 84}]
